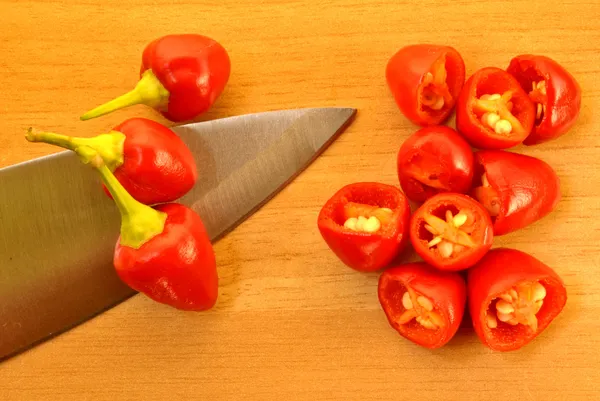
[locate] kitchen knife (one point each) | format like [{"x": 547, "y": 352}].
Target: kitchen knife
[{"x": 58, "y": 229}]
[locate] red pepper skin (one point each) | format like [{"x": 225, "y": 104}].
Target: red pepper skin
[
  {"x": 528, "y": 188},
  {"x": 193, "y": 68},
  {"x": 157, "y": 166},
  {"x": 479, "y": 224},
  {"x": 434, "y": 160},
  {"x": 446, "y": 290},
  {"x": 405, "y": 73},
  {"x": 562, "y": 99},
  {"x": 176, "y": 267},
  {"x": 362, "y": 251},
  {"x": 491, "y": 80},
  {"x": 497, "y": 272}
]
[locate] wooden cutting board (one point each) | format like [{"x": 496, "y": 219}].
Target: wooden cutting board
[{"x": 292, "y": 323}]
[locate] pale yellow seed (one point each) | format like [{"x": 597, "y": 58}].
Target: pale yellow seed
[
  {"x": 439, "y": 103},
  {"x": 360, "y": 223},
  {"x": 371, "y": 225},
  {"x": 485, "y": 97},
  {"x": 542, "y": 87},
  {"x": 513, "y": 293},
  {"x": 538, "y": 291},
  {"x": 406, "y": 301},
  {"x": 513, "y": 322},
  {"x": 385, "y": 209},
  {"x": 484, "y": 180},
  {"x": 434, "y": 241},
  {"x": 425, "y": 303},
  {"x": 503, "y": 317},
  {"x": 504, "y": 307},
  {"x": 459, "y": 219},
  {"x": 538, "y": 113},
  {"x": 492, "y": 322},
  {"x": 490, "y": 119},
  {"x": 506, "y": 297},
  {"x": 445, "y": 248},
  {"x": 427, "y": 78},
  {"x": 495, "y": 96},
  {"x": 503, "y": 127},
  {"x": 436, "y": 319},
  {"x": 538, "y": 305},
  {"x": 426, "y": 323},
  {"x": 351, "y": 223}
]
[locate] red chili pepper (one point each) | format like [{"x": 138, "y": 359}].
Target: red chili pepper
[
  {"x": 425, "y": 81},
  {"x": 181, "y": 76},
  {"x": 422, "y": 304},
  {"x": 149, "y": 160},
  {"x": 434, "y": 160},
  {"x": 162, "y": 251},
  {"x": 554, "y": 91},
  {"x": 517, "y": 190},
  {"x": 493, "y": 111},
  {"x": 451, "y": 231},
  {"x": 365, "y": 224},
  {"x": 513, "y": 297}
]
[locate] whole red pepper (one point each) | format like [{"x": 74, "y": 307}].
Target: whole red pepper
[
  {"x": 422, "y": 304},
  {"x": 512, "y": 297},
  {"x": 434, "y": 160},
  {"x": 162, "y": 251},
  {"x": 493, "y": 111},
  {"x": 554, "y": 91},
  {"x": 425, "y": 81},
  {"x": 517, "y": 190},
  {"x": 181, "y": 76},
  {"x": 149, "y": 160},
  {"x": 365, "y": 224},
  {"x": 451, "y": 231}
]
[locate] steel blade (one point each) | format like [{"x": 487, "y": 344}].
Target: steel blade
[{"x": 58, "y": 230}]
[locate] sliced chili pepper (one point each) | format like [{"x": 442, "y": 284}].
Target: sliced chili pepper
[
  {"x": 425, "y": 81},
  {"x": 517, "y": 190},
  {"x": 365, "y": 224},
  {"x": 554, "y": 91},
  {"x": 451, "y": 231},
  {"x": 422, "y": 304},
  {"x": 149, "y": 160},
  {"x": 434, "y": 160},
  {"x": 181, "y": 76},
  {"x": 513, "y": 297},
  {"x": 493, "y": 111},
  {"x": 162, "y": 251}
]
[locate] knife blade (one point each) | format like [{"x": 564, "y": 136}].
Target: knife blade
[{"x": 58, "y": 230}]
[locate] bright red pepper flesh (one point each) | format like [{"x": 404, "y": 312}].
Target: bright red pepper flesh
[
  {"x": 512, "y": 298},
  {"x": 422, "y": 304},
  {"x": 434, "y": 160},
  {"x": 181, "y": 76},
  {"x": 554, "y": 91},
  {"x": 365, "y": 224},
  {"x": 425, "y": 81},
  {"x": 149, "y": 160},
  {"x": 493, "y": 111},
  {"x": 517, "y": 190},
  {"x": 451, "y": 231}
]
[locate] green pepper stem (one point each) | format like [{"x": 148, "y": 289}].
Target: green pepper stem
[
  {"x": 149, "y": 91},
  {"x": 109, "y": 146},
  {"x": 139, "y": 222}
]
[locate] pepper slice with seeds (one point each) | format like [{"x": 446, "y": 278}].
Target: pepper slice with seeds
[
  {"x": 493, "y": 111},
  {"x": 451, "y": 231},
  {"x": 366, "y": 224},
  {"x": 513, "y": 297},
  {"x": 422, "y": 304},
  {"x": 517, "y": 190}
]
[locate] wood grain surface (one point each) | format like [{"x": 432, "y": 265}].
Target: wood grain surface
[{"x": 292, "y": 323}]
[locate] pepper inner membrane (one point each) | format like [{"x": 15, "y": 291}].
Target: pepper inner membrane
[
  {"x": 485, "y": 194},
  {"x": 435, "y": 93},
  {"x": 447, "y": 230},
  {"x": 518, "y": 305},
  {"x": 494, "y": 110},
  {"x": 535, "y": 85}
]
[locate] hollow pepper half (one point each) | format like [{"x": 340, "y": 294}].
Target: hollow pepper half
[
  {"x": 365, "y": 224},
  {"x": 149, "y": 160},
  {"x": 451, "y": 231},
  {"x": 493, "y": 111},
  {"x": 554, "y": 91},
  {"x": 425, "y": 80},
  {"x": 434, "y": 160},
  {"x": 162, "y": 251},
  {"x": 513, "y": 297},
  {"x": 423, "y": 305},
  {"x": 517, "y": 190},
  {"x": 181, "y": 76}
]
